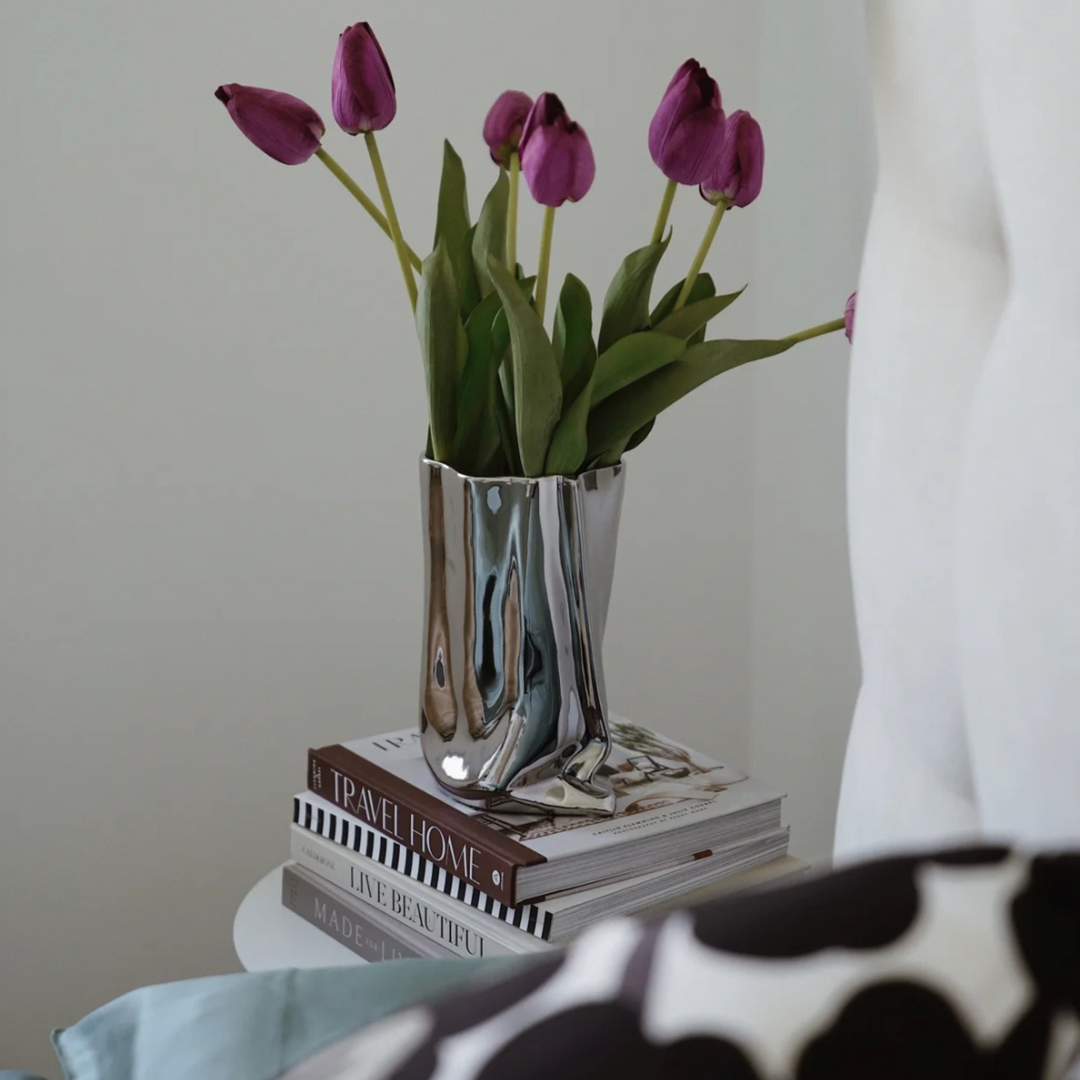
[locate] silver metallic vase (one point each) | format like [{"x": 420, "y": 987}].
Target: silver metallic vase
[{"x": 513, "y": 712}]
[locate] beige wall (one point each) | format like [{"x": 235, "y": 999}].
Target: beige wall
[
  {"x": 213, "y": 407},
  {"x": 815, "y": 110}
]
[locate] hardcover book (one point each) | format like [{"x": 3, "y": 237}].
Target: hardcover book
[
  {"x": 459, "y": 927},
  {"x": 367, "y": 932},
  {"x": 471, "y": 933},
  {"x": 672, "y": 804},
  {"x": 556, "y": 917}
]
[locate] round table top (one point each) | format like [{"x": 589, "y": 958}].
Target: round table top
[{"x": 268, "y": 936}]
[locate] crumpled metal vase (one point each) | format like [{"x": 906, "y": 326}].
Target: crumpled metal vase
[{"x": 513, "y": 712}]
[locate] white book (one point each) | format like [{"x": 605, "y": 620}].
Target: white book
[
  {"x": 456, "y": 926},
  {"x": 554, "y": 918},
  {"x": 672, "y": 803}
]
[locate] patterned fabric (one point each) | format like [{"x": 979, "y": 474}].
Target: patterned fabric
[{"x": 962, "y": 964}]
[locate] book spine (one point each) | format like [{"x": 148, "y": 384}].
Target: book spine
[
  {"x": 446, "y": 922},
  {"x": 353, "y": 834},
  {"x": 433, "y": 829},
  {"x": 342, "y": 922}
]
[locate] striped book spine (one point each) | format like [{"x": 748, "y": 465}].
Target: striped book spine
[{"x": 352, "y": 833}]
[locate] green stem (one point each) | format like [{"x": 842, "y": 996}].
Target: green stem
[
  {"x": 391, "y": 216},
  {"x": 354, "y": 189},
  {"x": 702, "y": 251},
  {"x": 545, "y": 260},
  {"x": 512, "y": 214},
  {"x": 816, "y": 331},
  {"x": 665, "y": 209}
]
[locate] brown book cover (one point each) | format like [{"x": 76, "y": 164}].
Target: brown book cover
[
  {"x": 455, "y": 841},
  {"x": 671, "y": 803}
]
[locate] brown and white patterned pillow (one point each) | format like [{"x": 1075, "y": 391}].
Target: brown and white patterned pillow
[{"x": 955, "y": 965}]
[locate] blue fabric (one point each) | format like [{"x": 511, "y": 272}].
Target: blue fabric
[
  {"x": 7, "y": 1074},
  {"x": 253, "y": 1026}
]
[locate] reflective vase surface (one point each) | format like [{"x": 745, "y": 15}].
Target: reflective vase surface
[{"x": 513, "y": 712}]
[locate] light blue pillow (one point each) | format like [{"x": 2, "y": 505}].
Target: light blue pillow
[{"x": 254, "y": 1026}]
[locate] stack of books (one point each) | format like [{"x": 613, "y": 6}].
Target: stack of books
[{"x": 392, "y": 866}]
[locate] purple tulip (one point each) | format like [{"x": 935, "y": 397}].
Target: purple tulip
[
  {"x": 687, "y": 131},
  {"x": 504, "y": 123},
  {"x": 286, "y": 128},
  {"x": 556, "y": 157},
  {"x": 362, "y": 89},
  {"x": 738, "y": 173},
  {"x": 849, "y": 316}
]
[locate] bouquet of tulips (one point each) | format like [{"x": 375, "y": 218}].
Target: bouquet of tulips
[{"x": 507, "y": 398}]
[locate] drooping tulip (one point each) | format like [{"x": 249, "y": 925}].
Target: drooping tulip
[
  {"x": 362, "y": 88},
  {"x": 556, "y": 156},
  {"x": 286, "y": 128},
  {"x": 504, "y": 123},
  {"x": 687, "y": 130},
  {"x": 849, "y": 316},
  {"x": 737, "y": 177}
]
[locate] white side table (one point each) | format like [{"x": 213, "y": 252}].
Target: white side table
[{"x": 268, "y": 936}]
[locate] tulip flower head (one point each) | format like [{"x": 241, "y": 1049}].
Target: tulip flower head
[
  {"x": 849, "y": 316},
  {"x": 556, "y": 157},
  {"x": 737, "y": 177},
  {"x": 687, "y": 131},
  {"x": 504, "y": 123},
  {"x": 362, "y": 88},
  {"x": 286, "y": 128}
]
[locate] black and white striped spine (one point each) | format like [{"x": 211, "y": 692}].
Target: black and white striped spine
[{"x": 380, "y": 848}]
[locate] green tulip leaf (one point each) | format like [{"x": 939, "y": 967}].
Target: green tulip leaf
[
  {"x": 624, "y": 413},
  {"x": 506, "y": 370},
  {"x": 702, "y": 289},
  {"x": 443, "y": 345},
  {"x": 572, "y": 339},
  {"x": 611, "y": 456},
  {"x": 570, "y": 439},
  {"x": 464, "y": 260},
  {"x": 537, "y": 385},
  {"x": 501, "y": 347},
  {"x": 504, "y": 418},
  {"x": 490, "y": 237},
  {"x": 614, "y": 454},
  {"x": 640, "y": 436},
  {"x": 501, "y": 329},
  {"x": 626, "y": 305},
  {"x": 476, "y": 438},
  {"x": 632, "y": 358},
  {"x": 692, "y": 317},
  {"x": 452, "y": 227}
]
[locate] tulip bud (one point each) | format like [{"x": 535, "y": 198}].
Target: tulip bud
[
  {"x": 737, "y": 177},
  {"x": 362, "y": 89},
  {"x": 504, "y": 123},
  {"x": 556, "y": 157},
  {"x": 286, "y": 128},
  {"x": 849, "y": 316},
  {"x": 687, "y": 131}
]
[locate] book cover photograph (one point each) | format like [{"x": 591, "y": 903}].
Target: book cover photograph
[{"x": 647, "y": 772}]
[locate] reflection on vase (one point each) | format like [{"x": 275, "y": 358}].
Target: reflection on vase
[{"x": 519, "y": 574}]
